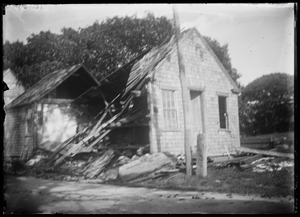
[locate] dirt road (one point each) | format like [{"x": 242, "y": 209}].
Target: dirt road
[{"x": 31, "y": 195}]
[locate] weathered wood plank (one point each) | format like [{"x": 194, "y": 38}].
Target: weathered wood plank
[
  {"x": 250, "y": 159},
  {"x": 201, "y": 160},
  {"x": 144, "y": 166},
  {"x": 98, "y": 165},
  {"x": 263, "y": 152},
  {"x": 185, "y": 94}
]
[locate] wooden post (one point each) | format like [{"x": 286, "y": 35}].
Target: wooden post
[
  {"x": 185, "y": 96},
  {"x": 201, "y": 169},
  {"x": 150, "y": 110}
]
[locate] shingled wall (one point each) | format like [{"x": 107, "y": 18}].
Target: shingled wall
[
  {"x": 203, "y": 73},
  {"x": 15, "y": 138}
]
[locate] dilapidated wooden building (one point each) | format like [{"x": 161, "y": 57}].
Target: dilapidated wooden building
[
  {"x": 213, "y": 99},
  {"x": 43, "y": 115},
  {"x": 153, "y": 88},
  {"x": 140, "y": 104}
]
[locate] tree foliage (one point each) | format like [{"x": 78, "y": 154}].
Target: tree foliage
[
  {"x": 267, "y": 105},
  {"x": 103, "y": 47}
]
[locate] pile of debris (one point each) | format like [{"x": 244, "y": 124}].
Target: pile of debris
[
  {"x": 259, "y": 160},
  {"x": 106, "y": 165}
]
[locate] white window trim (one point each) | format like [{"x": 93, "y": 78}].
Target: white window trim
[
  {"x": 175, "y": 91},
  {"x": 226, "y": 95}
]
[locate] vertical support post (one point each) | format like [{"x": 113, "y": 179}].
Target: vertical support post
[
  {"x": 150, "y": 110},
  {"x": 201, "y": 160},
  {"x": 185, "y": 96},
  {"x": 35, "y": 126}
]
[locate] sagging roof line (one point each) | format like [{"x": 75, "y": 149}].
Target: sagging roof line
[
  {"x": 122, "y": 67},
  {"x": 46, "y": 85},
  {"x": 10, "y": 105}
]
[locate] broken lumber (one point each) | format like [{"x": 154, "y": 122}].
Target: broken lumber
[
  {"x": 251, "y": 159},
  {"x": 109, "y": 175},
  {"x": 144, "y": 166},
  {"x": 167, "y": 171},
  {"x": 150, "y": 176},
  {"x": 82, "y": 144},
  {"x": 98, "y": 165},
  {"x": 238, "y": 160},
  {"x": 263, "y": 152}
]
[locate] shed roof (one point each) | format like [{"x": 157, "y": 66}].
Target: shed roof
[
  {"x": 132, "y": 76},
  {"x": 151, "y": 61},
  {"x": 47, "y": 84}
]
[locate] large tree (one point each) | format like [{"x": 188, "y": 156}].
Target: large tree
[
  {"x": 103, "y": 47},
  {"x": 267, "y": 105}
]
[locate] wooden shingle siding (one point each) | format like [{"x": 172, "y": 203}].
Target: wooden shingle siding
[
  {"x": 203, "y": 73},
  {"x": 14, "y": 132}
]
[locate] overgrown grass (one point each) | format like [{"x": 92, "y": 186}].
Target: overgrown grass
[{"x": 231, "y": 180}]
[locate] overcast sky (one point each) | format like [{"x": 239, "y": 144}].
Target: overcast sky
[{"x": 260, "y": 37}]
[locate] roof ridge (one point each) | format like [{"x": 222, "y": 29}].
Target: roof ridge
[{"x": 20, "y": 99}]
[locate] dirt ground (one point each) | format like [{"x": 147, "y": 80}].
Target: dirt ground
[
  {"x": 231, "y": 180},
  {"x": 33, "y": 195}
]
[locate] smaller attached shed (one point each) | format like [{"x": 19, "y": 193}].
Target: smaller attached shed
[{"x": 43, "y": 116}]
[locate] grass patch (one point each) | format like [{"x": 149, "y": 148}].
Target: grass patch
[{"x": 230, "y": 180}]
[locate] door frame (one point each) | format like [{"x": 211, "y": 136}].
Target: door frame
[
  {"x": 202, "y": 111},
  {"x": 202, "y": 104}
]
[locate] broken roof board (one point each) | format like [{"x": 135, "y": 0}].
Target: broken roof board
[
  {"x": 158, "y": 54},
  {"x": 47, "y": 84},
  {"x": 141, "y": 68},
  {"x": 111, "y": 85}
]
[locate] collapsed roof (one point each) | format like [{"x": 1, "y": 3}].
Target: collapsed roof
[
  {"x": 133, "y": 75},
  {"x": 78, "y": 78}
]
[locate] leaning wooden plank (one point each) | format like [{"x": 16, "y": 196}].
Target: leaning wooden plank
[
  {"x": 227, "y": 151},
  {"x": 60, "y": 148},
  {"x": 93, "y": 143},
  {"x": 250, "y": 159},
  {"x": 60, "y": 159},
  {"x": 98, "y": 166},
  {"x": 79, "y": 146},
  {"x": 168, "y": 171},
  {"x": 74, "y": 149},
  {"x": 65, "y": 144},
  {"x": 263, "y": 152},
  {"x": 111, "y": 174},
  {"x": 99, "y": 122},
  {"x": 150, "y": 176},
  {"x": 144, "y": 166},
  {"x": 71, "y": 152},
  {"x": 237, "y": 160},
  {"x": 97, "y": 132}
]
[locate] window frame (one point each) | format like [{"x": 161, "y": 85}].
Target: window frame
[
  {"x": 172, "y": 108},
  {"x": 226, "y": 119},
  {"x": 28, "y": 122}
]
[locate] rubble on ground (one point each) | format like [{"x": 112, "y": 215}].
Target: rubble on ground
[
  {"x": 103, "y": 166},
  {"x": 108, "y": 164},
  {"x": 258, "y": 162},
  {"x": 145, "y": 165}
]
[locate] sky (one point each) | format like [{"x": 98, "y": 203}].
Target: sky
[{"x": 260, "y": 37}]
